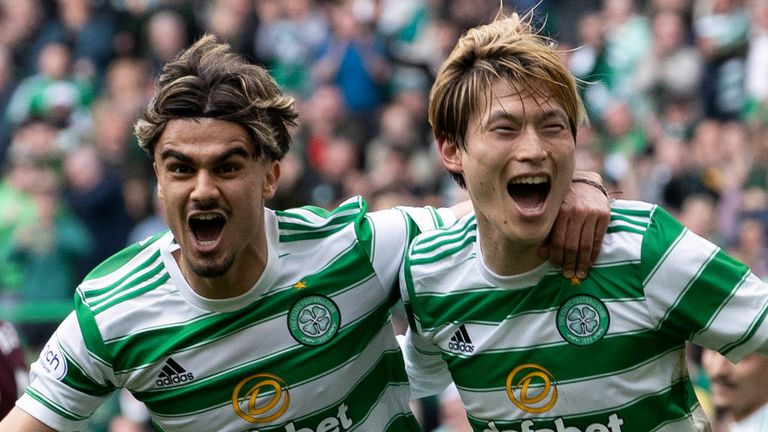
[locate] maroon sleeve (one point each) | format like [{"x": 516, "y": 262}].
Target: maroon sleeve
[{"x": 11, "y": 363}]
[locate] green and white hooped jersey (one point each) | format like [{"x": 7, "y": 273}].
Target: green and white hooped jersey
[
  {"x": 309, "y": 348},
  {"x": 536, "y": 352}
]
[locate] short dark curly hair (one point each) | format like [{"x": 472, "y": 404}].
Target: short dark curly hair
[{"x": 208, "y": 80}]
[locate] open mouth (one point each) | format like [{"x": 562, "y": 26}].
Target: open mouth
[
  {"x": 529, "y": 192},
  {"x": 207, "y": 228}
]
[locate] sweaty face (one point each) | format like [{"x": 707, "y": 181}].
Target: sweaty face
[
  {"x": 517, "y": 165},
  {"x": 740, "y": 388},
  {"x": 213, "y": 191}
]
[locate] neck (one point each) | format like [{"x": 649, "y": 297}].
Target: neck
[
  {"x": 242, "y": 275},
  {"x": 505, "y": 257}
]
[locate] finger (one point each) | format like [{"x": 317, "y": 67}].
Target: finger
[
  {"x": 557, "y": 240},
  {"x": 573, "y": 238},
  {"x": 586, "y": 248},
  {"x": 600, "y": 228}
]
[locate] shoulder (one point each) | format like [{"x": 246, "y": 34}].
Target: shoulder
[
  {"x": 444, "y": 247},
  {"x": 138, "y": 265},
  {"x": 310, "y": 222}
]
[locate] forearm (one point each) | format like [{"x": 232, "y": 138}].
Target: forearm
[{"x": 19, "y": 421}]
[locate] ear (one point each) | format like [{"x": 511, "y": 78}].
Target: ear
[
  {"x": 159, "y": 184},
  {"x": 450, "y": 155},
  {"x": 271, "y": 176}
]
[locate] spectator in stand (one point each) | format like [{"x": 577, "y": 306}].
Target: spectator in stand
[
  {"x": 627, "y": 40},
  {"x": 291, "y": 40},
  {"x": 751, "y": 245},
  {"x": 670, "y": 71},
  {"x": 54, "y": 92},
  {"x": 20, "y": 23},
  {"x": 49, "y": 252},
  {"x": 95, "y": 195},
  {"x": 756, "y": 85},
  {"x": 354, "y": 59},
  {"x": 7, "y": 86},
  {"x": 90, "y": 33},
  {"x": 721, "y": 28},
  {"x": 167, "y": 34}
]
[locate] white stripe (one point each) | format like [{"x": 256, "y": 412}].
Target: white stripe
[
  {"x": 274, "y": 338},
  {"x": 600, "y": 394},
  {"x": 159, "y": 308},
  {"x": 128, "y": 287},
  {"x": 625, "y": 316},
  {"x": 620, "y": 247},
  {"x": 736, "y": 317},
  {"x": 674, "y": 273},
  {"x": 128, "y": 268}
]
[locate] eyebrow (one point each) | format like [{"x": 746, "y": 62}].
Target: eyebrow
[
  {"x": 551, "y": 113},
  {"x": 170, "y": 153}
]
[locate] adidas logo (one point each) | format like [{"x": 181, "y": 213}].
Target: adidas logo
[
  {"x": 460, "y": 341},
  {"x": 173, "y": 373}
]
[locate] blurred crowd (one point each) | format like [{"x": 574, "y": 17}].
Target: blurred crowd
[{"x": 676, "y": 90}]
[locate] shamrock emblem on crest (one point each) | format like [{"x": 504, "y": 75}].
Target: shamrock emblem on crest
[
  {"x": 314, "y": 320},
  {"x": 583, "y": 320}
]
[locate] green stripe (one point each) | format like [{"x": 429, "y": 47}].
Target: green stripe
[
  {"x": 120, "y": 259},
  {"x": 332, "y": 222},
  {"x": 489, "y": 370},
  {"x": 623, "y": 228},
  {"x": 446, "y": 252},
  {"x": 80, "y": 381},
  {"x": 90, "y": 332},
  {"x": 352, "y": 203},
  {"x": 663, "y": 233},
  {"x": 363, "y": 398},
  {"x": 337, "y": 216},
  {"x": 135, "y": 292},
  {"x": 748, "y": 335},
  {"x": 481, "y": 304},
  {"x": 349, "y": 270},
  {"x": 300, "y": 365},
  {"x": 93, "y": 293},
  {"x": 312, "y": 235},
  {"x": 636, "y": 213},
  {"x": 61, "y": 411},
  {"x": 675, "y": 403},
  {"x": 696, "y": 306},
  {"x": 440, "y": 238},
  {"x": 641, "y": 225}
]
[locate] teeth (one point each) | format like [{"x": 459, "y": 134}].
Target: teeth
[
  {"x": 530, "y": 180},
  {"x": 206, "y": 217}
]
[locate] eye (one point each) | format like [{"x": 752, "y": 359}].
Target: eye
[
  {"x": 179, "y": 169},
  {"x": 227, "y": 168},
  {"x": 504, "y": 128},
  {"x": 555, "y": 127}
]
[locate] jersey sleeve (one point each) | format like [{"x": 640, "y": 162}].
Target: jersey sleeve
[
  {"x": 392, "y": 231},
  {"x": 428, "y": 373},
  {"x": 697, "y": 291},
  {"x": 66, "y": 383}
]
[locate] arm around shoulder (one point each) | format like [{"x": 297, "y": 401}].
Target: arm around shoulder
[{"x": 19, "y": 421}]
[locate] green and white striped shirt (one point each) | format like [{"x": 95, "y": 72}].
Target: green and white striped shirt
[
  {"x": 536, "y": 352},
  {"x": 309, "y": 348}
]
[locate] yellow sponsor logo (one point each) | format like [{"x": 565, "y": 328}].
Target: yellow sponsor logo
[
  {"x": 532, "y": 388},
  {"x": 261, "y": 398}
]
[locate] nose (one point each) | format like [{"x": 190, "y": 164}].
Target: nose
[
  {"x": 716, "y": 364},
  {"x": 530, "y": 147},
  {"x": 205, "y": 188}
]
